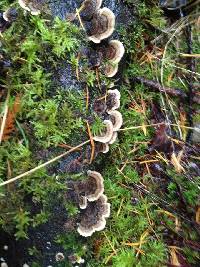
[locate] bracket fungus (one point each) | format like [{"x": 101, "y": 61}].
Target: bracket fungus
[
  {"x": 116, "y": 118},
  {"x": 104, "y": 148},
  {"x": 93, "y": 218},
  {"x": 95, "y": 186},
  {"x": 110, "y": 69},
  {"x": 107, "y": 134},
  {"x": 113, "y": 138},
  {"x": 89, "y": 189},
  {"x": 113, "y": 100},
  {"x": 89, "y": 7},
  {"x": 102, "y": 25},
  {"x": 10, "y": 15},
  {"x": 30, "y": 6},
  {"x": 114, "y": 51}
]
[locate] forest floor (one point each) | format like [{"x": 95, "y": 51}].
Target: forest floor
[{"x": 48, "y": 96}]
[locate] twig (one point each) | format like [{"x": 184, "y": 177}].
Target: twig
[
  {"x": 43, "y": 164},
  {"x": 87, "y": 97},
  {"x": 163, "y": 89},
  {"x": 92, "y": 142}
]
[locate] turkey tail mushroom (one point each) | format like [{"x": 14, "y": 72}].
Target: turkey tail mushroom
[
  {"x": 113, "y": 100},
  {"x": 10, "y": 15},
  {"x": 113, "y": 138},
  {"x": 93, "y": 218},
  {"x": 102, "y": 25},
  {"x": 116, "y": 118},
  {"x": 89, "y": 7},
  {"x": 107, "y": 134},
  {"x": 110, "y": 69},
  {"x": 95, "y": 180},
  {"x": 29, "y": 6},
  {"x": 114, "y": 51}
]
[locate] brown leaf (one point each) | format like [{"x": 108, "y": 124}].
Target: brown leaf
[
  {"x": 10, "y": 119},
  {"x": 161, "y": 142}
]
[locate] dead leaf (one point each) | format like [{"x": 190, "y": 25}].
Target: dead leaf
[
  {"x": 161, "y": 142},
  {"x": 10, "y": 119}
]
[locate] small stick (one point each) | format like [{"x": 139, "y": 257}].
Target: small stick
[
  {"x": 87, "y": 97},
  {"x": 43, "y": 164},
  {"x": 156, "y": 85}
]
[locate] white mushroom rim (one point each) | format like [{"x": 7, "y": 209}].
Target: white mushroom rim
[
  {"x": 100, "y": 186},
  {"x": 116, "y": 97},
  {"x": 119, "y": 50},
  {"x": 106, "y": 12},
  {"x": 100, "y": 225},
  {"x": 107, "y": 135},
  {"x": 116, "y": 118},
  {"x": 28, "y": 7}
]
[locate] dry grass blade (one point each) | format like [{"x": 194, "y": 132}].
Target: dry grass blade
[
  {"x": 176, "y": 161},
  {"x": 43, "y": 165},
  {"x": 174, "y": 258},
  {"x": 92, "y": 143}
]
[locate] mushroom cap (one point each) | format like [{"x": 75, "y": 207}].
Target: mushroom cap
[
  {"x": 103, "y": 25},
  {"x": 110, "y": 69},
  {"x": 89, "y": 8},
  {"x": 116, "y": 118},
  {"x": 23, "y": 4},
  {"x": 105, "y": 148},
  {"x": 98, "y": 180},
  {"x": 115, "y": 51},
  {"x": 105, "y": 136},
  {"x": 82, "y": 202},
  {"x": 93, "y": 217},
  {"x": 113, "y": 138},
  {"x": 113, "y": 100},
  {"x": 10, "y": 15},
  {"x": 26, "y": 5}
]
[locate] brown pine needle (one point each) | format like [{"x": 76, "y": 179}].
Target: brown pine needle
[
  {"x": 43, "y": 164},
  {"x": 92, "y": 142},
  {"x": 79, "y": 18},
  {"x": 111, "y": 245},
  {"x": 87, "y": 97},
  {"x": 120, "y": 207}
]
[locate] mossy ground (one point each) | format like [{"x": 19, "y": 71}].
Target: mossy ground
[{"x": 150, "y": 224}]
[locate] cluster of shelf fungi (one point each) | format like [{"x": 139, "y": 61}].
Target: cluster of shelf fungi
[{"x": 99, "y": 24}]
